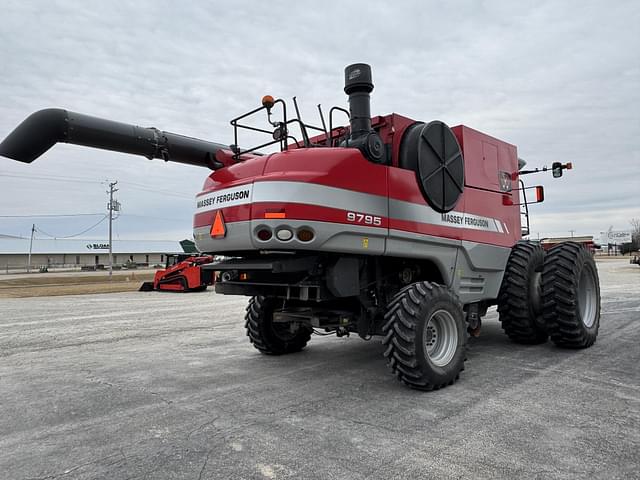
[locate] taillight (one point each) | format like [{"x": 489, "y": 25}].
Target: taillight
[
  {"x": 305, "y": 235},
  {"x": 264, "y": 234},
  {"x": 284, "y": 234}
]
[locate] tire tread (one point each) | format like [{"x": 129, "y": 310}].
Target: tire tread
[
  {"x": 513, "y": 298},
  {"x": 400, "y": 334},
  {"x": 259, "y": 338},
  {"x": 560, "y": 278}
]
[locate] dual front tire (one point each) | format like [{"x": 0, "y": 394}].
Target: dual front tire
[
  {"x": 520, "y": 296},
  {"x": 571, "y": 296},
  {"x": 554, "y": 294}
]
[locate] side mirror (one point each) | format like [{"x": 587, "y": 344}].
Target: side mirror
[{"x": 556, "y": 169}]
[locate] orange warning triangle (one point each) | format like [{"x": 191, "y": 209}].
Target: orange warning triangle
[{"x": 218, "y": 229}]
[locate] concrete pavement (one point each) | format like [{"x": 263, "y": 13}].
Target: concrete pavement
[{"x": 167, "y": 386}]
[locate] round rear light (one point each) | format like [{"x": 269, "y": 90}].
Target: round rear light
[
  {"x": 305, "y": 235},
  {"x": 264, "y": 234},
  {"x": 284, "y": 234}
]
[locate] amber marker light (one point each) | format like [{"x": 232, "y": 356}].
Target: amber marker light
[
  {"x": 268, "y": 102},
  {"x": 272, "y": 215},
  {"x": 305, "y": 235}
]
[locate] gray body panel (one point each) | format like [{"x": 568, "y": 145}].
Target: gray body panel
[
  {"x": 479, "y": 271},
  {"x": 441, "y": 251},
  {"x": 329, "y": 237},
  {"x": 472, "y": 270}
]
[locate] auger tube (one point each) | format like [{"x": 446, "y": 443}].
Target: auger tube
[{"x": 43, "y": 129}]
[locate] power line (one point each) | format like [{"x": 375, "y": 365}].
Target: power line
[
  {"x": 53, "y": 215},
  {"x": 138, "y": 215},
  {"x": 12, "y": 235},
  {"x": 132, "y": 185},
  {"x": 160, "y": 192},
  {"x": 147, "y": 240},
  {"x": 47, "y": 176},
  {"x": 156, "y": 218},
  {"x": 51, "y": 179},
  {"x": 75, "y": 234}
]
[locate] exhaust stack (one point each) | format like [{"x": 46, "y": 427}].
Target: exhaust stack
[
  {"x": 358, "y": 84},
  {"x": 43, "y": 129}
]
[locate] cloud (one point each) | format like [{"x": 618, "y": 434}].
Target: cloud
[{"x": 559, "y": 80}]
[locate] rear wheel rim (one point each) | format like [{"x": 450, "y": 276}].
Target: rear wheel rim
[
  {"x": 283, "y": 331},
  {"x": 587, "y": 301},
  {"x": 441, "y": 338}
]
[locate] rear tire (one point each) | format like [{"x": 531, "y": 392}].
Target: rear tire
[
  {"x": 425, "y": 336},
  {"x": 269, "y": 337},
  {"x": 571, "y": 296},
  {"x": 519, "y": 300}
]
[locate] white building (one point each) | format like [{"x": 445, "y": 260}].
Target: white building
[{"x": 59, "y": 253}]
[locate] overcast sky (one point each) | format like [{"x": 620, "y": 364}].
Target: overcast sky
[{"x": 559, "y": 79}]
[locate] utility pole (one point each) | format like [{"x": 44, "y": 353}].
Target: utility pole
[
  {"x": 33, "y": 229},
  {"x": 112, "y": 206}
]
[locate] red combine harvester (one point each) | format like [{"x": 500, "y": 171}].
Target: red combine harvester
[
  {"x": 183, "y": 273},
  {"x": 388, "y": 226}
]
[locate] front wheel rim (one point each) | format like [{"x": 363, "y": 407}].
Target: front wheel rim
[
  {"x": 441, "y": 338},
  {"x": 587, "y": 301}
]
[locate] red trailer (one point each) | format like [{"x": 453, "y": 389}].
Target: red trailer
[{"x": 586, "y": 241}]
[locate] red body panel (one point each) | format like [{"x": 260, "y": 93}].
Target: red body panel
[
  {"x": 301, "y": 211},
  {"x": 346, "y": 169},
  {"x": 238, "y": 174},
  {"x": 341, "y": 168},
  {"x": 237, "y": 213},
  {"x": 485, "y": 157}
]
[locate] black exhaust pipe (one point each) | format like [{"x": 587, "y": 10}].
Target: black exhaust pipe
[
  {"x": 43, "y": 129},
  {"x": 358, "y": 84}
]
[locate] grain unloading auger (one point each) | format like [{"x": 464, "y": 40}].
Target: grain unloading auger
[
  {"x": 388, "y": 226},
  {"x": 43, "y": 129}
]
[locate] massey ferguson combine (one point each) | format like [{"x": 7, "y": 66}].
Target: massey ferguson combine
[{"x": 388, "y": 226}]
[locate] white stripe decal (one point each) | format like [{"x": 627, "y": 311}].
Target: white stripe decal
[
  {"x": 413, "y": 212},
  {"x": 227, "y": 197},
  {"x": 315, "y": 194},
  {"x": 342, "y": 199}
]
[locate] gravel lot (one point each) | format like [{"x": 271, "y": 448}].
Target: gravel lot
[
  {"x": 71, "y": 283},
  {"x": 158, "y": 385}
]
